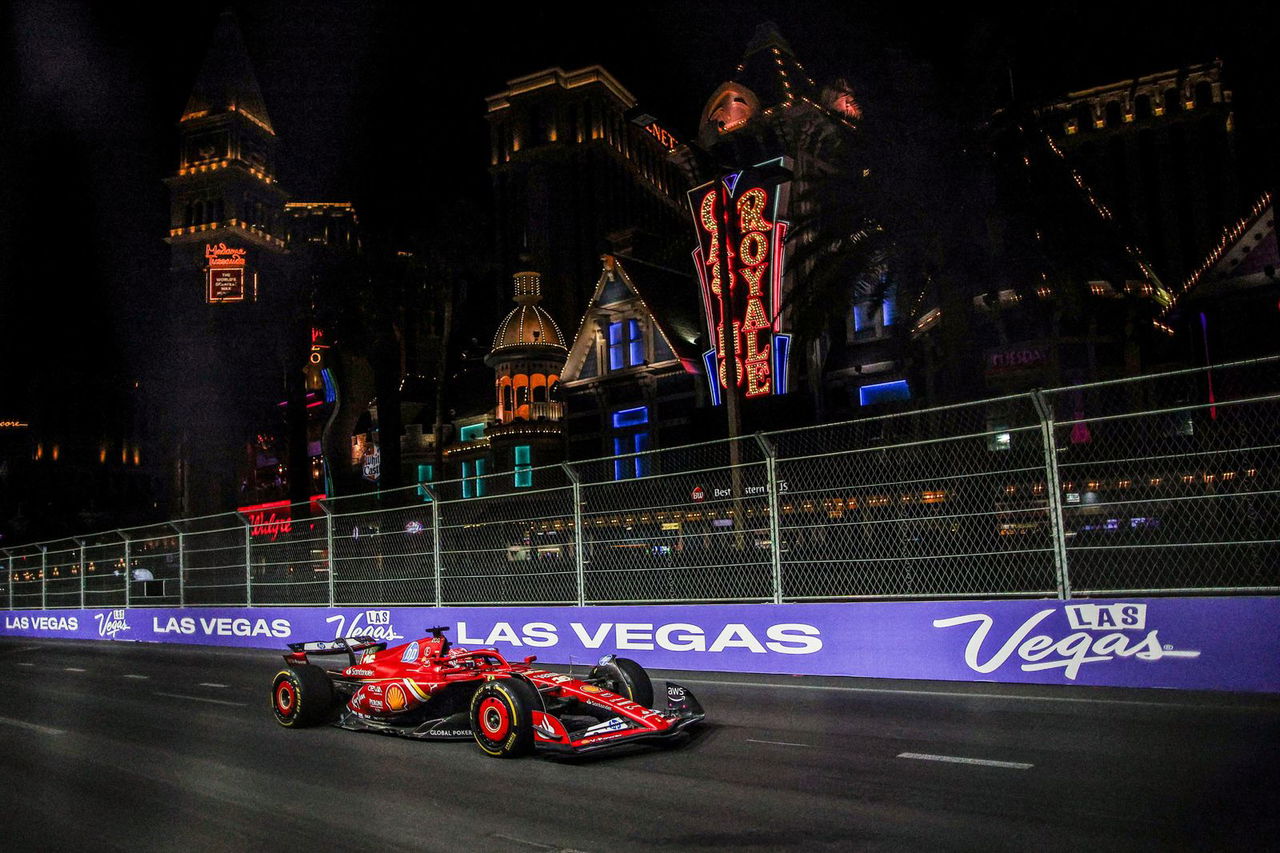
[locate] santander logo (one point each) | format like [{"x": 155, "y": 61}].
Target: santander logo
[{"x": 1099, "y": 636}]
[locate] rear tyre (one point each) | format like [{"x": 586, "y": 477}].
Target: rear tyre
[
  {"x": 502, "y": 717},
  {"x": 301, "y": 696},
  {"x": 626, "y": 678}
]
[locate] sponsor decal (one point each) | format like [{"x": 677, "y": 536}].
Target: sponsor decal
[
  {"x": 591, "y": 688},
  {"x": 449, "y": 733},
  {"x": 788, "y": 638},
  {"x": 373, "y": 689},
  {"x": 364, "y": 672},
  {"x": 676, "y": 693},
  {"x": 615, "y": 725},
  {"x": 43, "y": 623},
  {"x": 224, "y": 626},
  {"x": 410, "y": 653},
  {"x": 370, "y": 623},
  {"x": 112, "y": 623},
  {"x": 1044, "y": 651},
  {"x": 396, "y": 700}
]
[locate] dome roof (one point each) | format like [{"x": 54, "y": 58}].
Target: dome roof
[{"x": 528, "y": 324}]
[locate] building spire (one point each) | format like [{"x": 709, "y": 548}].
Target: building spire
[{"x": 226, "y": 82}]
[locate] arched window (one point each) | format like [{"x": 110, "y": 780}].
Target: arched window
[
  {"x": 1171, "y": 100},
  {"x": 1204, "y": 94},
  {"x": 538, "y": 386},
  {"x": 1113, "y": 113},
  {"x": 1142, "y": 106}
]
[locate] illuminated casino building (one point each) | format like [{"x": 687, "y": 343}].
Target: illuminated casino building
[
  {"x": 1160, "y": 150},
  {"x": 759, "y": 146},
  {"x": 568, "y": 170},
  {"x": 633, "y": 376},
  {"x": 497, "y": 448},
  {"x": 238, "y": 334}
]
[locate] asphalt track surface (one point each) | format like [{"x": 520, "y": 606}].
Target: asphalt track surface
[{"x": 122, "y": 746}]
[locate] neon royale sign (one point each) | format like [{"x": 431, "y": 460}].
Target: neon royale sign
[{"x": 739, "y": 262}]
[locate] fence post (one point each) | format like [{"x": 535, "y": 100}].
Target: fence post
[
  {"x": 579, "y": 538},
  {"x": 128, "y": 560},
  {"x": 9, "y": 554},
  {"x": 328, "y": 546},
  {"x": 80, "y": 542},
  {"x": 248, "y": 559},
  {"x": 182, "y": 565},
  {"x": 436, "y": 574},
  {"x": 775, "y": 535},
  {"x": 1049, "y": 443},
  {"x": 44, "y": 576}
]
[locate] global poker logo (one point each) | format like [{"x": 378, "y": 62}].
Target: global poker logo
[
  {"x": 112, "y": 623},
  {"x": 1099, "y": 635}
]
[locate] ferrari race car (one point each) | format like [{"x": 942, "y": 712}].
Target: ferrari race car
[{"x": 432, "y": 690}]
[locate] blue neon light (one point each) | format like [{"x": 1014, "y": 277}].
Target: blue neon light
[
  {"x": 713, "y": 377},
  {"x": 781, "y": 355},
  {"x": 631, "y": 417},
  {"x": 330, "y": 390},
  {"x": 869, "y": 395}
]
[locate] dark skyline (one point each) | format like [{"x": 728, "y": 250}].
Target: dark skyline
[{"x": 382, "y": 105}]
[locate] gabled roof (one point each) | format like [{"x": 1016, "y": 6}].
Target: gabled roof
[
  {"x": 226, "y": 82},
  {"x": 770, "y": 69},
  {"x": 669, "y": 297}
]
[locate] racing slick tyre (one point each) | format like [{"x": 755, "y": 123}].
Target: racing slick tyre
[
  {"x": 301, "y": 696},
  {"x": 502, "y": 717},
  {"x": 626, "y": 678}
]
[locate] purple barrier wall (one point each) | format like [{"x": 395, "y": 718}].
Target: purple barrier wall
[{"x": 1195, "y": 643}]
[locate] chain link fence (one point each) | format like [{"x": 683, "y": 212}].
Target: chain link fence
[{"x": 1160, "y": 484}]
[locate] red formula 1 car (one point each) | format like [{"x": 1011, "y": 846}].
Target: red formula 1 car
[{"x": 433, "y": 690}]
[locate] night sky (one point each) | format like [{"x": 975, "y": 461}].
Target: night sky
[{"x": 382, "y": 105}]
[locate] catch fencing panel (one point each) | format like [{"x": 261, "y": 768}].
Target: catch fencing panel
[
  {"x": 216, "y": 559},
  {"x": 382, "y": 548},
  {"x": 1170, "y": 482},
  {"x": 939, "y": 503},
  {"x": 682, "y": 524}
]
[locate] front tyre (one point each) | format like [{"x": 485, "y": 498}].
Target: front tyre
[
  {"x": 502, "y": 717},
  {"x": 301, "y": 696},
  {"x": 626, "y": 678}
]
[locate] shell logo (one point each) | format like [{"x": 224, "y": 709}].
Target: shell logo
[{"x": 396, "y": 698}]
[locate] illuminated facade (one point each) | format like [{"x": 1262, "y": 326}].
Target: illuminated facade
[
  {"x": 632, "y": 378},
  {"x": 498, "y": 450},
  {"x": 1160, "y": 152},
  {"x": 569, "y": 170},
  {"x": 231, "y": 338}
]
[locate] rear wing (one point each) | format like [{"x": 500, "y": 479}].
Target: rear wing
[{"x": 342, "y": 645}]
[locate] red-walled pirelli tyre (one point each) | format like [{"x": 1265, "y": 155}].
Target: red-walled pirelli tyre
[
  {"x": 301, "y": 696},
  {"x": 502, "y": 717},
  {"x": 626, "y": 678}
]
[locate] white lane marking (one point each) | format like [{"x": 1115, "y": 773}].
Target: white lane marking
[
  {"x": 142, "y": 677},
  {"x": 202, "y": 699},
  {"x": 74, "y": 669},
  {"x": 212, "y": 684},
  {"x": 536, "y": 844},
  {"x": 953, "y": 759},
  {"x": 959, "y": 695},
  {"x": 26, "y": 664},
  {"x": 779, "y": 743},
  {"x": 22, "y": 724}
]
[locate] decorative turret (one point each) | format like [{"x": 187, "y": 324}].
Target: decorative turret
[{"x": 528, "y": 355}]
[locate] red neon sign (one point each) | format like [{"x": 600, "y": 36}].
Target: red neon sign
[
  {"x": 739, "y": 260},
  {"x": 269, "y": 520},
  {"x": 225, "y": 273}
]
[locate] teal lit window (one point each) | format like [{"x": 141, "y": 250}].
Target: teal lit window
[
  {"x": 471, "y": 432},
  {"x": 426, "y": 476},
  {"x": 523, "y": 466},
  {"x": 473, "y": 478}
]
